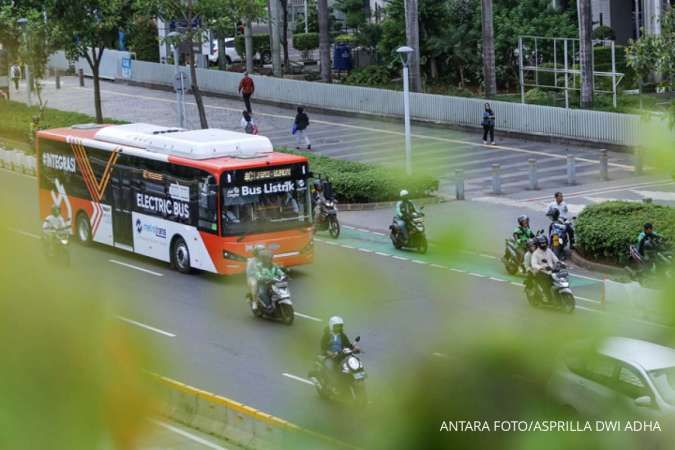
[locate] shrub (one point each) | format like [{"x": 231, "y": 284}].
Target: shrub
[
  {"x": 603, "y": 32},
  {"x": 373, "y": 75},
  {"x": 345, "y": 39},
  {"x": 356, "y": 182},
  {"x": 306, "y": 41},
  {"x": 538, "y": 96},
  {"x": 604, "y": 231},
  {"x": 261, "y": 43}
]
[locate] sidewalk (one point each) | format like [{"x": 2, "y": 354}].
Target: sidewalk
[{"x": 435, "y": 149}]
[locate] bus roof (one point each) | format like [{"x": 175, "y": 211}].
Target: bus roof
[{"x": 212, "y": 149}]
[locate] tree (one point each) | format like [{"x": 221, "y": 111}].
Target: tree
[
  {"x": 489, "y": 70},
  {"x": 354, "y": 11},
  {"x": 324, "y": 41},
  {"x": 187, "y": 14},
  {"x": 85, "y": 29},
  {"x": 585, "y": 52},
  {"x": 143, "y": 38},
  {"x": 642, "y": 58}
]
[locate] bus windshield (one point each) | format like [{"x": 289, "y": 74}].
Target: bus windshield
[{"x": 265, "y": 200}]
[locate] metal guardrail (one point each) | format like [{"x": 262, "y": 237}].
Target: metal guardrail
[{"x": 17, "y": 161}]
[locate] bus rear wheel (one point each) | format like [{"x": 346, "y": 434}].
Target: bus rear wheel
[
  {"x": 83, "y": 229},
  {"x": 180, "y": 255}
]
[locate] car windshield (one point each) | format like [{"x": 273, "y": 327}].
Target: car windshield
[
  {"x": 664, "y": 381},
  {"x": 256, "y": 203}
]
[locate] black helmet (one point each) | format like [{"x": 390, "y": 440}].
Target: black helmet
[
  {"x": 555, "y": 214},
  {"x": 522, "y": 218},
  {"x": 532, "y": 242},
  {"x": 542, "y": 242}
]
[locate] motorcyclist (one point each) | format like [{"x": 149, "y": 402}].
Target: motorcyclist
[
  {"x": 265, "y": 272},
  {"x": 542, "y": 262},
  {"x": 404, "y": 211},
  {"x": 531, "y": 245},
  {"x": 333, "y": 342},
  {"x": 251, "y": 264},
  {"x": 522, "y": 232},
  {"x": 318, "y": 197},
  {"x": 558, "y": 204},
  {"x": 648, "y": 241},
  {"x": 54, "y": 221}
]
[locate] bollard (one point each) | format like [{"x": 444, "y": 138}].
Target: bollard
[
  {"x": 459, "y": 184},
  {"x": 80, "y": 73},
  {"x": 534, "y": 182},
  {"x": 496, "y": 179},
  {"x": 571, "y": 170},
  {"x": 58, "y": 80},
  {"x": 604, "y": 161},
  {"x": 639, "y": 163}
]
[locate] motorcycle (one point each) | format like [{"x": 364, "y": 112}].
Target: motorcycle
[
  {"x": 558, "y": 236},
  {"x": 347, "y": 385},
  {"x": 281, "y": 306},
  {"x": 326, "y": 218},
  {"x": 55, "y": 245},
  {"x": 660, "y": 258},
  {"x": 513, "y": 255},
  {"x": 417, "y": 237},
  {"x": 560, "y": 297}
]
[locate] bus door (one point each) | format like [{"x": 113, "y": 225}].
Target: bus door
[{"x": 121, "y": 206}]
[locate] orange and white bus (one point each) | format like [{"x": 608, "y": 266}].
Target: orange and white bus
[{"x": 198, "y": 199}]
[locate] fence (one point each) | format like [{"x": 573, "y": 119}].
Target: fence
[{"x": 592, "y": 126}]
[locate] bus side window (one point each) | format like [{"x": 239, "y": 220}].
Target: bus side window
[{"x": 208, "y": 206}]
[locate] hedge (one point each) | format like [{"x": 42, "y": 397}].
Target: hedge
[
  {"x": 605, "y": 230},
  {"x": 261, "y": 44},
  {"x": 355, "y": 182},
  {"x": 306, "y": 41}
]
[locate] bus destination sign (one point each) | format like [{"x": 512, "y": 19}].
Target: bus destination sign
[{"x": 256, "y": 175}]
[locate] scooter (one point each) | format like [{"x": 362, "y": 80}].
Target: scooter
[
  {"x": 558, "y": 236},
  {"x": 417, "y": 237},
  {"x": 513, "y": 255},
  {"x": 661, "y": 261},
  {"x": 560, "y": 297},
  {"x": 281, "y": 306},
  {"x": 349, "y": 385},
  {"x": 55, "y": 246},
  {"x": 327, "y": 218}
]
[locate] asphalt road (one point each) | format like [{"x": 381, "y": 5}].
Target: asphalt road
[{"x": 405, "y": 307}]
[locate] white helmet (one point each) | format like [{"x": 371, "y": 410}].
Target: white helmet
[
  {"x": 335, "y": 320},
  {"x": 404, "y": 193}
]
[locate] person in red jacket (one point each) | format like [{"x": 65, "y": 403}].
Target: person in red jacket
[{"x": 246, "y": 89}]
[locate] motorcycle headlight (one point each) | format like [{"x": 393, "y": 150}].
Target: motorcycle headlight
[{"x": 353, "y": 363}]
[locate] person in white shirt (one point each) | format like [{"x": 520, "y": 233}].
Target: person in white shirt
[
  {"x": 559, "y": 204},
  {"x": 542, "y": 261}
]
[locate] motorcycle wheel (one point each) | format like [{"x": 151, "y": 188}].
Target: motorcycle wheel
[
  {"x": 567, "y": 303},
  {"x": 510, "y": 266},
  {"x": 286, "y": 313},
  {"x": 532, "y": 298},
  {"x": 257, "y": 312},
  {"x": 422, "y": 248},
  {"x": 359, "y": 394},
  {"x": 397, "y": 243},
  {"x": 334, "y": 227}
]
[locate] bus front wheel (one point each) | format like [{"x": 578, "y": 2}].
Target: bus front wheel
[
  {"x": 180, "y": 255},
  {"x": 83, "y": 228}
]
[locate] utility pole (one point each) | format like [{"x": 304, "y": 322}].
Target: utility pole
[
  {"x": 412, "y": 35},
  {"x": 276, "y": 45}
]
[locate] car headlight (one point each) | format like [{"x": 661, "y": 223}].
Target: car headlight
[{"x": 353, "y": 363}]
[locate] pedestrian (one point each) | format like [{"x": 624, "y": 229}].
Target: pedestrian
[
  {"x": 246, "y": 89},
  {"x": 15, "y": 73},
  {"x": 248, "y": 124},
  {"x": 488, "y": 123},
  {"x": 300, "y": 128}
]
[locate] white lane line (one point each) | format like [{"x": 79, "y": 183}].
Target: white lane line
[
  {"x": 25, "y": 233},
  {"x": 474, "y": 274},
  {"x": 497, "y": 279},
  {"x": 306, "y": 316},
  {"x": 485, "y": 255},
  {"x": 515, "y": 283},
  {"x": 187, "y": 435},
  {"x": 364, "y": 250},
  {"x": 329, "y": 242},
  {"x": 592, "y": 192},
  {"x": 417, "y": 261},
  {"x": 457, "y": 270},
  {"x": 588, "y": 309},
  {"x": 437, "y": 266},
  {"x": 382, "y": 254},
  {"x": 590, "y": 300},
  {"x": 363, "y": 230},
  {"x": 347, "y": 246},
  {"x": 296, "y": 378},
  {"x": 349, "y": 227},
  {"x": 147, "y": 327},
  {"x": 378, "y": 233},
  {"x": 439, "y": 355},
  {"x": 399, "y": 258},
  {"x": 131, "y": 266}
]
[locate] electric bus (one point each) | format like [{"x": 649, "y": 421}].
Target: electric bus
[{"x": 197, "y": 199}]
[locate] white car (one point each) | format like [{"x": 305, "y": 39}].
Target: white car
[
  {"x": 626, "y": 372},
  {"x": 231, "y": 54}
]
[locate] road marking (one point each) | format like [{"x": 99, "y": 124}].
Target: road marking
[
  {"x": 437, "y": 266},
  {"x": 188, "y": 435},
  {"x": 347, "y": 246},
  {"x": 377, "y": 233},
  {"x": 417, "y": 261},
  {"x": 147, "y": 327},
  {"x": 399, "y": 257},
  {"x": 364, "y": 250},
  {"x": 590, "y": 300},
  {"x": 306, "y": 316},
  {"x": 363, "y": 230},
  {"x": 25, "y": 233},
  {"x": 497, "y": 279},
  {"x": 474, "y": 274},
  {"x": 296, "y": 378},
  {"x": 457, "y": 270},
  {"x": 328, "y": 242},
  {"x": 382, "y": 254},
  {"x": 485, "y": 255},
  {"x": 349, "y": 227},
  {"x": 588, "y": 309},
  {"x": 515, "y": 283},
  {"x": 131, "y": 266}
]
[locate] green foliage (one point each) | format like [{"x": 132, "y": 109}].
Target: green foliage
[
  {"x": 369, "y": 35},
  {"x": 538, "y": 96},
  {"x": 345, "y": 39},
  {"x": 374, "y": 75},
  {"x": 306, "y": 41},
  {"x": 356, "y": 182},
  {"x": 261, "y": 43},
  {"x": 603, "y": 32},
  {"x": 142, "y": 39},
  {"x": 604, "y": 231},
  {"x": 354, "y": 11}
]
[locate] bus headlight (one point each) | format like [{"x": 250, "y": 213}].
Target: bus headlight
[{"x": 233, "y": 256}]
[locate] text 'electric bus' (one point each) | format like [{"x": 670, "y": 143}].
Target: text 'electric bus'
[{"x": 199, "y": 199}]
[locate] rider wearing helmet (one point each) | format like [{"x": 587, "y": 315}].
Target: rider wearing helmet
[
  {"x": 265, "y": 272},
  {"x": 522, "y": 232},
  {"x": 404, "y": 211},
  {"x": 54, "y": 222},
  {"x": 333, "y": 342},
  {"x": 648, "y": 241},
  {"x": 531, "y": 245},
  {"x": 543, "y": 260},
  {"x": 251, "y": 264}
]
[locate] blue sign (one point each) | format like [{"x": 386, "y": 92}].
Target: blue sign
[{"x": 126, "y": 67}]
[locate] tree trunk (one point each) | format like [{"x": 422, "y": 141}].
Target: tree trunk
[
  {"x": 412, "y": 35},
  {"x": 324, "y": 41},
  {"x": 222, "y": 60},
  {"x": 248, "y": 44},
  {"x": 585, "y": 52},
  {"x": 276, "y": 47},
  {"x": 193, "y": 71},
  {"x": 489, "y": 70},
  {"x": 284, "y": 32},
  {"x": 96, "y": 60}
]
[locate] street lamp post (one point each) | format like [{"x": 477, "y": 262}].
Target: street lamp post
[
  {"x": 404, "y": 53},
  {"x": 23, "y": 23},
  {"x": 179, "y": 83}
]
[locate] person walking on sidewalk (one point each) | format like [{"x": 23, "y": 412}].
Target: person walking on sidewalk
[
  {"x": 15, "y": 74},
  {"x": 300, "y": 128},
  {"x": 247, "y": 123},
  {"x": 488, "y": 123},
  {"x": 246, "y": 89}
]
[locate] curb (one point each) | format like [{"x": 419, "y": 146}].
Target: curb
[
  {"x": 18, "y": 161},
  {"x": 436, "y": 199},
  {"x": 595, "y": 266}
]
